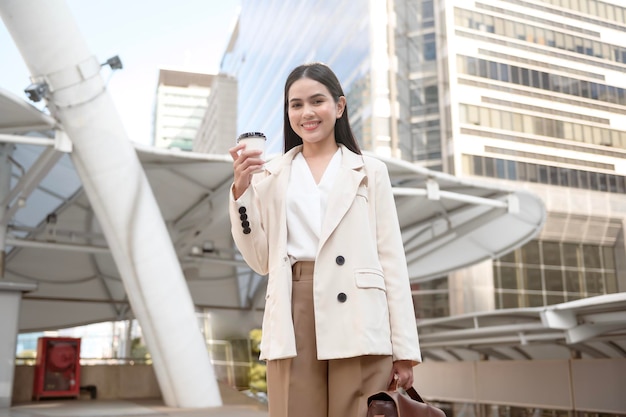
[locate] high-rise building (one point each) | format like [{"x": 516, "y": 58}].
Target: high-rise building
[
  {"x": 181, "y": 103},
  {"x": 535, "y": 95},
  {"x": 218, "y": 129},
  {"x": 519, "y": 93}
]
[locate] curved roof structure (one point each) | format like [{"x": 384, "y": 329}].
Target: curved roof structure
[
  {"x": 594, "y": 327},
  {"x": 449, "y": 223},
  {"x": 54, "y": 239},
  {"x": 18, "y": 116}
]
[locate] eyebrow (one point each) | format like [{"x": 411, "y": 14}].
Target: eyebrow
[{"x": 309, "y": 98}]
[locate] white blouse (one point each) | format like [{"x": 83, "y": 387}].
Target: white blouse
[{"x": 306, "y": 206}]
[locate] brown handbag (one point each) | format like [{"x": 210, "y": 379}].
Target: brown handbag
[{"x": 395, "y": 404}]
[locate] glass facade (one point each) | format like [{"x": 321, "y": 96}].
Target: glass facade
[
  {"x": 294, "y": 34},
  {"x": 562, "y": 130},
  {"x": 585, "y": 44},
  {"x": 431, "y": 299},
  {"x": 542, "y": 80},
  {"x": 547, "y": 272},
  {"x": 511, "y": 169},
  {"x": 419, "y": 127}
]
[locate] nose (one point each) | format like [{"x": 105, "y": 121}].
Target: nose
[{"x": 308, "y": 110}]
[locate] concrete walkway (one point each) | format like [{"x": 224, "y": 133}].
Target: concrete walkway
[
  {"x": 117, "y": 408},
  {"x": 235, "y": 403}
]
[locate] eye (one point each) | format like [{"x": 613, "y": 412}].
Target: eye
[{"x": 295, "y": 105}]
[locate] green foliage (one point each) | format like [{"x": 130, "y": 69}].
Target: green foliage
[
  {"x": 257, "y": 377},
  {"x": 257, "y": 373},
  {"x": 139, "y": 350},
  {"x": 255, "y": 340},
  {"x": 27, "y": 357}
]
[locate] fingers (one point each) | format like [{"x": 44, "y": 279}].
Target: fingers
[
  {"x": 245, "y": 160},
  {"x": 245, "y": 163},
  {"x": 234, "y": 151},
  {"x": 404, "y": 381},
  {"x": 408, "y": 383},
  {"x": 235, "y": 154},
  {"x": 403, "y": 374},
  {"x": 240, "y": 158}
]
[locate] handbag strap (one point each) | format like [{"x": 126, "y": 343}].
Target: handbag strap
[{"x": 413, "y": 394}]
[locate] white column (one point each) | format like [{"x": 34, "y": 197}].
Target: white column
[
  {"x": 10, "y": 297},
  {"x": 56, "y": 53},
  {"x": 5, "y": 188}
]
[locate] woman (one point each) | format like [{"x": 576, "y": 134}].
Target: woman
[{"x": 321, "y": 221}]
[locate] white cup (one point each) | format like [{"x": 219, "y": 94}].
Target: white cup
[{"x": 254, "y": 141}]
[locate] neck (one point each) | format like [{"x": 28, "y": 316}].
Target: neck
[{"x": 318, "y": 150}]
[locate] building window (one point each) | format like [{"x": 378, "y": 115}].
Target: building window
[
  {"x": 541, "y": 126},
  {"x": 546, "y": 272},
  {"x": 545, "y": 174},
  {"x": 550, "y": 82},
  {"x": 539, "y": 36},
  {"x": 430, "y": 48},
  {"x": 594, "y": 7},
  {"x": 431, "y": 298}
]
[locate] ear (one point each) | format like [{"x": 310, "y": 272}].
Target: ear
[{"x": 341, "y": 106}]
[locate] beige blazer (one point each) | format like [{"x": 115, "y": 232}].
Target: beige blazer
[{"x": 362, "y": 296}]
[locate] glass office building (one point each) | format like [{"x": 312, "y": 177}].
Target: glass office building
[
  {"x": 271, "y": 38},
  {"x": 528, "y": 93}
]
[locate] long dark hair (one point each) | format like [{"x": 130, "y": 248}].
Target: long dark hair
[{"x": 322, "y": 74}]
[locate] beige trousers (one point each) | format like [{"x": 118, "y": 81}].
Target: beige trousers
[{"x": 307, "y": 387}]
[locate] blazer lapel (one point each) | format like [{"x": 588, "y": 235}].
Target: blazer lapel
[{"x": 343, "y": 192}]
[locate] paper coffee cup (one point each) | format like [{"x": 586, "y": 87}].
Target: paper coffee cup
[{"x": 253, "y": 141}]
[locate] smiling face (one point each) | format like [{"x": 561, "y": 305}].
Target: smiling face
[{"x": 313, "y": 111}]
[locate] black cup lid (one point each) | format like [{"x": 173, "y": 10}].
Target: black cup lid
[{"x": 251, "y": 134}]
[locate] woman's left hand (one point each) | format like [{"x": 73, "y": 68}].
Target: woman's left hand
[{"x": 403, "y": 370}]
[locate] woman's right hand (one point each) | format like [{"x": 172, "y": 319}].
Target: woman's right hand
[{"x": 244, "y": 164}]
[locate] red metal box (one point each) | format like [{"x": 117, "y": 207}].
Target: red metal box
[{"x": 57, "y": 369}]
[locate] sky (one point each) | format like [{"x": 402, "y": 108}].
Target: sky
[{"x": 186, "y": 35}]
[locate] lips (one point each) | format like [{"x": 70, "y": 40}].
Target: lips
[{"x": 310, "y": 125}]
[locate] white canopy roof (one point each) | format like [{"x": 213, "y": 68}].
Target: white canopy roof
[
  {"x": 18, "y": 116},
  {"x": 55, "y": 241},
  {"x": 595, "y": 327},
  {"x": 450, "y": 223}
]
